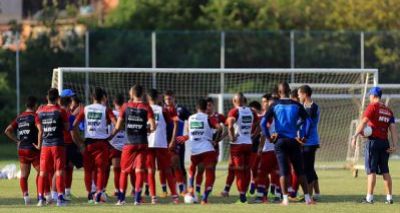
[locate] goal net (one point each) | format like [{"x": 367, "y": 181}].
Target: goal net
[
  {"x": 338, "y": 92},
  {"x": 391, "y": 98}
]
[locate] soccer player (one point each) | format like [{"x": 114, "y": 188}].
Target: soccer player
[
  {"x": 116, "y": 145},
  {"x": 26, "y": 135},
  {"x": 175, "y": 128},
  {"x": 268, "y": 164},
  {"x": 241, "y": 120},
  {"x": 312, "y": 144},
  {"x": 135, "y": 115},
  {"x": 255, "y": 158},
  {"x": 96, "y": 118},
  {"x": 51, "y": 122},
  {"x": 200, "y": 136},
  {"x": 158, "y": 149},
  {"x": 378, "y": 148},
  {"x": 221, "y": 120},
  {"x": 287, "y": 115},
  {"x": 72, "y": 151}
]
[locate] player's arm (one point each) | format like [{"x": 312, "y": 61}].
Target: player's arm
[
  {"x": 175, "y": 119},
  {"x": 264, "y": 122},
  {"x": 215, "y": 125},
  {"x": 9, "y": 131},
  {"x": 305, "y": 124},
  {"x": 394, "y": 134},
  {"x": 261, "y": 144},
  {"x": 230, "y": 122},
  {"x": 182, "y": 139},
  {"x": 111, "y": 119},
  {"x": 359, "y": 129},
  {"x": 76, "y": 137},
  {"x": 40, "y": 136}
]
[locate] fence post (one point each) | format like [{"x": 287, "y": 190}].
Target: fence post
[
  {"x": 87, "y": 64},
  {"x": 222, "y": 84},
  {"x": 17, "y": 66},
  {"x": 154, "y": 58},
  {"x": 292, "y": 55}
]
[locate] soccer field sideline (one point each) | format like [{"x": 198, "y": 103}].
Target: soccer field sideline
[{"x": 340, "y": 193}]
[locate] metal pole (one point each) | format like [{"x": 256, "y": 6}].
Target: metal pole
[
  {"x": 154, "y": 57},
  {"x": 17, "y": 66},
  {"x": 222, "y": 84},
  {"x": 362, "y": 50},
  {"x": 87, "y": 64},
  {"x": 292, "y": 55}
]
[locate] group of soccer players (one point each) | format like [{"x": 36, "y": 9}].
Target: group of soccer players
[{"x": 272, "y": 145}]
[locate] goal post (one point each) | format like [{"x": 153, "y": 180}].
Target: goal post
[{"x": 340, "y": 93}]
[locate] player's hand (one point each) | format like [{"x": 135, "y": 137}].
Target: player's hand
[
  {"x": 171, "y": 146},
  {"x": 259, "y": 151},
  {"x": 353, "y": 142},
  {"x": 391, "y": 150},
  {"x": 181, "y": 139},
  {"x": 36, "y": 146},
  {"x": 273, "y": 138},
  {"x": 301, "y": 141},
  {"x": 233, "y": 138}
]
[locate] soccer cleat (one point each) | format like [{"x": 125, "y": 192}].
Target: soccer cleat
[
  {"x": 389, "y": 202},
  {"x": 154, "y": 200},
  {"x": 68, "y": 196},
  {"x": 239, "y": 202},
  {"x": 61, "y": 203},
  {"x": 258, "y": 200},
  {"x": 285, "y": 203},
  {"x": 365, "y": 201},
  {"x": 175, "y": 200},
  {"x": 137, "y": 203},
  {"x": 277, "y": 199},
  {"x": 48, "y": 199},
  {"x": 311, "y": 202},
  {"x": 164, "y": 194},
  {"x": 204, "y": 202},
  {"x": 27, "y": 200},
  {"x": 224, "y": 194},
  {"x": 41, "y": 203},
  {"x": 120, "y": 203}
]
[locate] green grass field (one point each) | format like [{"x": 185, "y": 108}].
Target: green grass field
[{"x": 340, "y": 193}]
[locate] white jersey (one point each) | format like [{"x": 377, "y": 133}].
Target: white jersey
[
  {"x": 158, "y": 138},
  {"x": 243, "y": 125},
  {"x": 119, "y": 139},
  {"x": 96, "y": 122},
  {"x": 268, "y": 146},
  {"x": 200, "y": 134}
]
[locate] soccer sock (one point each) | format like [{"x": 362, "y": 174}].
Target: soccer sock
[
  {"x": 163, "y": 181},
  {"x": 164, "y": 188},
  {"x": 261, "y": 191},
  {"x": 88, "y": 179},
  {"x": 272, "y": 189},
  {"x": 68, "y": 176},
  {"x": 100, "y": 182},
  {"x": 389, "y": 197},
  {"x": 285, "y": 198},
  {"x": 242, "y": 197},
  {"x": 151, "y": 183},
  {"x": 227, "y": 188},
  {"x": 307, "y": 198},
  {"x": 230, "y": 178},
  {"x": 252, "y": 187},
  {"x": 191, "y": 181},
  {"x": 60, "y": 184},
  {"x": 117, "y": 174},
  {"x": 370, "y": 197},
  {"x": 198, "y": 188},
  {"x": 140, "y": 176},
  {"x": 210, "y": 178},
  {"x": 23, "y": 182},
  {"x": 146, "y": 188},
  {"x": 67, "y": 191},
  {"x": 138, "y": 196},
  {"x": 207, "y": 192},
  {"x": 133, "y": 178},
  {"x": 122, "y": 185},
  {"x": 199, "y": 179},
  {"x": 171, "y": 183}
]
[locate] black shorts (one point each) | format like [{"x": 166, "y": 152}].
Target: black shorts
[
  {"x": 309, "y": 162},
  {"x": 376, "y": 156},
  {"x": 73, "y": 155},
  {"x": 289, "y": 150}
]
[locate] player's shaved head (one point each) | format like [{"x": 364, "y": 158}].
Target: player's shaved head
[
  {"x": 136, "y": 91},
  {"x": 31, "y": 102},
  {"x": 52, "y": 95},
  {"x": 98, "y": 94},
  {"x": 201, "y": 105},
  {"x": 239, "y": 99},
  {"x": 283, "y": 89},
  {"x": 153, "y": 95}
]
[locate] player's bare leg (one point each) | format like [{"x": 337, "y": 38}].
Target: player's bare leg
[
  {"x": 371, "y": 182},
  {"x": 387, "y": 179}
]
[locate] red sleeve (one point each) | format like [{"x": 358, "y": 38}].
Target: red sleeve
[
  {"x": 233, "y": 113},
  {"x": 166, "y": 115},
  {"x": 109, "y": 115},
  {"x": 37, "y": 119},
  {"x": 150, "y": 113},
  {"x": 173, "y": 114},
  {"x": 370, "y": 112},
  {"x": 121, "y": 113},
  {"x": 221, "y": 118},
  {"x": 81, "y": 116},
  {"x": 213, "y": 122},
  {"x": 256, "y": 118},
  {"x": 64, "y": 116},
  {"x": 14, "y": 124}
]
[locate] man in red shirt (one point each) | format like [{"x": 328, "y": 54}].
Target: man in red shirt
[
  {"x": 97, "y": 117},
  {"x": 135, "y": 115},
  {"x": 377, "y": 148},
  {"x": 241, "y": 121},
  {"x": 27, "y": 132},
  {"x": 51, "y": 122}
]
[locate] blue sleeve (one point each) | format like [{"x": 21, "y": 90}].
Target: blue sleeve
[
  {"x": 71, "y": 122},
  {"x": 264, "y": 127},
  {"x": 305, "y": 124},
  {"x": 183, "y": 113},
  {"x": 392, "y": 120}
]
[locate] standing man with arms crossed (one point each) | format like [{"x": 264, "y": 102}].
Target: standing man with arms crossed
[
  {"x": 51, "y": 121},
  {"x": 377, "y": 148},
  {"x": 134, "y": 115},
  {"x": 287, "y": 115}
]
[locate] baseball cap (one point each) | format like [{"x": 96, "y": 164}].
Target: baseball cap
[
  {"x": 375, "y": 91},
  {"x": 67, "y": 93}
]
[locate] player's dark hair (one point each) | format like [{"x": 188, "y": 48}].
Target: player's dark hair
[
  {"x": 65, "y": 101},
  {"x": 137, "y": 90},
  {"x": 119, "y": 99},
  {"x": 52, "y": 95},
  {"x": 31, "y": 102},
  {"x": 209, "y": 100},
  {"x": 76, "y": 99},
  {"x": 267, "y": 96},
  {"x": 256, "y": 105},
  {"x": 275, "y": 95},
  {"x": 294, "y": 94},
  {"x": 284, "y": 88},
  {"x": 153, "y": 94},
  {"x": 201, "y": 104},
  {"x": 98, "y": 94},
  {"x": 306, "y": 89},
  {"x": 169, "y": 93}
]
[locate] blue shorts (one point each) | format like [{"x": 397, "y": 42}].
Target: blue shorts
[
  {"x": 376, "y": 156},
  {"x": 289, "y": 150}
]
